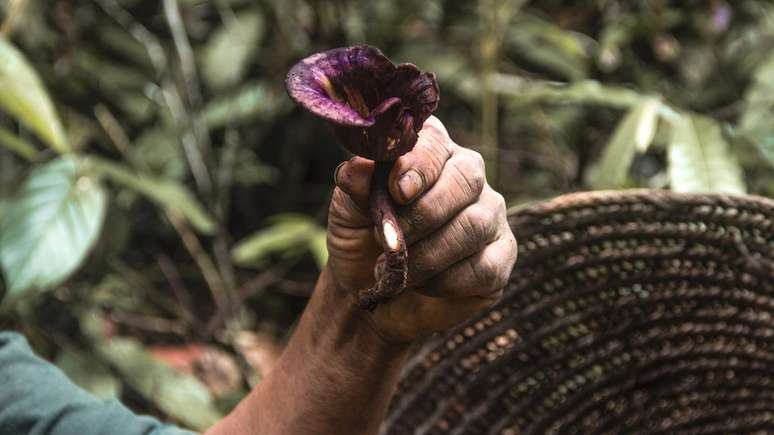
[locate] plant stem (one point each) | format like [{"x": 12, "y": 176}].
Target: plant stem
[
  {"x": 392, "y": 271},
  {"x": 489, "y": 104},
  {"x": 202, "y": 259}
]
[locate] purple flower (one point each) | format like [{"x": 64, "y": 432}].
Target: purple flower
[{"x": 375, "y": 107}]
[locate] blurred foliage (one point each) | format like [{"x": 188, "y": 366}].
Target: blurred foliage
[{"x": 157, "y": 187}]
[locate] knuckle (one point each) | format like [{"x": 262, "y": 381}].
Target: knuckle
[
  {"x": 434, "y": 128},
  {"x": 343, "y": 211},
  {"x": 476, "y": 157},
  {"x": 470, "y": 177},
  {"x": 479, "y": 221},
  {"x": 499, "y": 200},
  {"x": 488, "y": 273}
]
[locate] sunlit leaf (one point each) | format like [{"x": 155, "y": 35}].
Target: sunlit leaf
[
  {"x": 23, "y": 96},
  {"x": 17, "y": 145},
  {"x": 318, "y": 245},
  {"x": 229, "y": 50},
  {"x": 699, "y": 158},
  {"x": 50, "y": 226},
  {"x": 179, "y": 395},
  {"x": 89, "y": 373},
  {"x": 633, "y": 134},
  {"x": 286, "y": 233},
  {"x": 169, "y": 194}
]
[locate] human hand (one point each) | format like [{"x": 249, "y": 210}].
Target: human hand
[{"x": 461, "y": 249}]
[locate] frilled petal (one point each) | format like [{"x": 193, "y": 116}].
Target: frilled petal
[{"x": 376, "y": 108}]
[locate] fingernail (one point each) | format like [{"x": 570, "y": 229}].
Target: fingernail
[
  {"x": 410, "y": 185},
  {"x": 336, "y": 173}
]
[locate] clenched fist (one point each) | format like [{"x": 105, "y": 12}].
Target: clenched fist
[
  {"x": 461, "y": 249},
  {"x": 338, "y": 372}
]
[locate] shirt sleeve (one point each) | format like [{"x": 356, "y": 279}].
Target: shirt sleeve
[{"x": 36, "y": 398}]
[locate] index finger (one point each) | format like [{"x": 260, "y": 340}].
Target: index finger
[{"x": 418, "y": 170}]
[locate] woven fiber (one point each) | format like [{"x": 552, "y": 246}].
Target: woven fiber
[{"x": 627, "y": 312}]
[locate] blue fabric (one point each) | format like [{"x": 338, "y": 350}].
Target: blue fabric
[{"x": 36, "y": 398}]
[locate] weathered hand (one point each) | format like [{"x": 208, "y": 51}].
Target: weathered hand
[{"x": 461, "y": 249}]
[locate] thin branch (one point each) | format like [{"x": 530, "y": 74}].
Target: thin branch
[
  {"x": 148, "y": 323},
  {"x": 174, "y": 102},
  {"x": 202, "y": 259},
  {"x": 201, "y": 146},
  {"x": 225, "y": 181},
  {"x": 139, "y": 32},
  {"x": 183, "y": 48},
  {"x": 117, "y": 135},
  {"x": 248, "y": 289},
  {"x": 182, "y": 296}
]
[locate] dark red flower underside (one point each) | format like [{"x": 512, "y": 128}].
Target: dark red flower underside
[{"x": 376, "y": 107}]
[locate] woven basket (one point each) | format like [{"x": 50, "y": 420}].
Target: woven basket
[{"x": 627, "y": 312}]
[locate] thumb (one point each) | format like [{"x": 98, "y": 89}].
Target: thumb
[{"x": 349, "y": 205}]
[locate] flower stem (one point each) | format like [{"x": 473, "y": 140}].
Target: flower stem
[{"x": 391, "y": 269}]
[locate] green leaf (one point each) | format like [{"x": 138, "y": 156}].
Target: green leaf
[
  {"x": 546, "y": 44},
  {"x": 159, "y": 148},
  {"x": 289, "y": 232},
  {"x": 755, "y": 123},
  {"x": 169, "y": 194},
  {"x": 89, "y": 373},
  {"x": 583, "y": 92},
  {"x": 50, "y": 226},
  {"x": 23, "y": 96},
  {"x": 228, "y": 51},
  {"x": 699, "y": 158},
  {"x": 17, "y": 145},
  {"x": 633, "y": 134},
  {"x": 179, "y": 395},
  {"x": 318, "y": 245}
]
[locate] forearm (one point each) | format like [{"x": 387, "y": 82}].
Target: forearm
[{"x": 336, "y": 375}]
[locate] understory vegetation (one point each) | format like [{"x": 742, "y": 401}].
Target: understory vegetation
[{"x": 163, "y": 203}]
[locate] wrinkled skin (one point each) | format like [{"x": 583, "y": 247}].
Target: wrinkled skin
[
  {"x": 376, "y": 110},
  {"x": 461, "y": 247},
  {"x": 342, "y": 364}
]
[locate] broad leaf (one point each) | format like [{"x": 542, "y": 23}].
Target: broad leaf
[
  {"x": 23, "y": 96},
  {"x": 288, "y": 233},
  {"x": 699, "y": 158},
  {"x": 179, "y": 395},
  {"x": 89, "y": 373},
  {"x": 633, "y": 134},
  {"x": 169, "y": 194},
  {"x": 229, "y": 50},
  {"x": 50, "y": 226}
]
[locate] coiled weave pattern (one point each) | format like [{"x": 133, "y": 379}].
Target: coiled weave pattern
[{"x": 637, "y": 311}]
